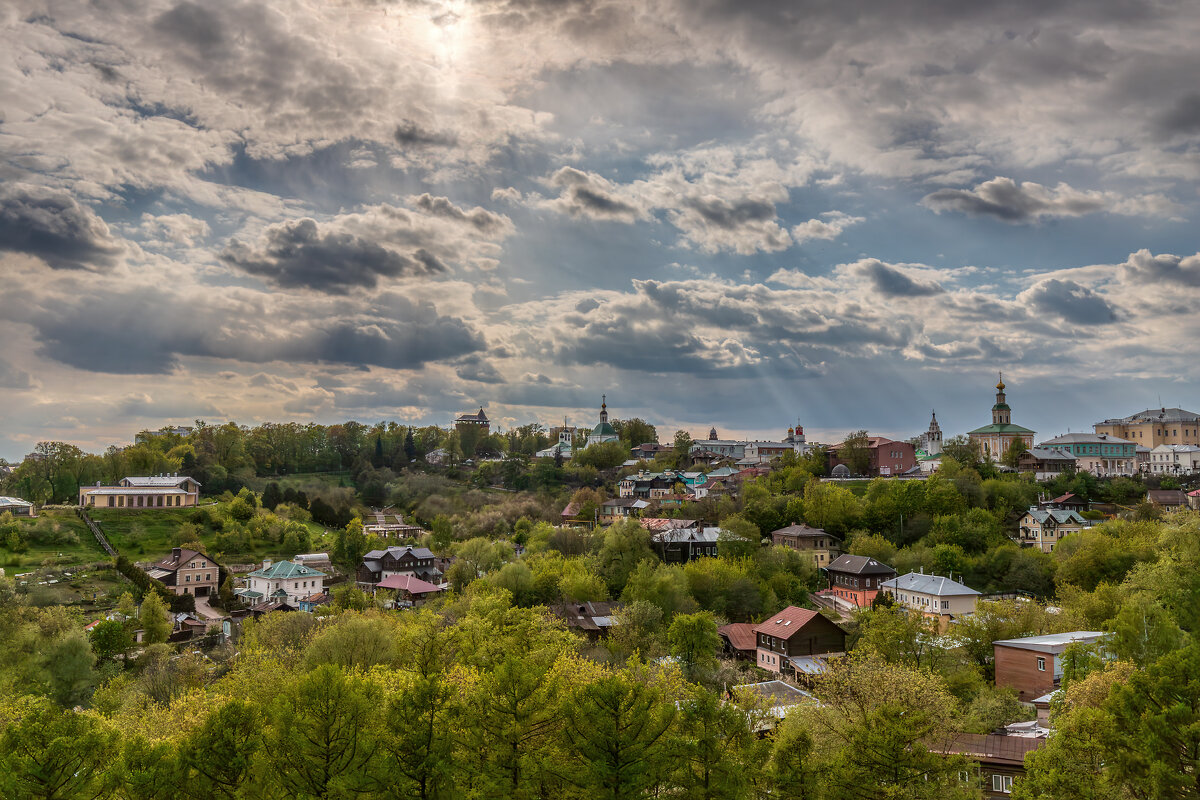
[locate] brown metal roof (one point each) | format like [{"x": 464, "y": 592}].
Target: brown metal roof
[
  {"x": 739, "y": 634},
  {"x": 784, "y": 624}
]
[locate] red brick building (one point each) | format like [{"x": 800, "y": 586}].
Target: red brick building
[
  {"x": 857, "y": 578},
  {"x": 887, "y": 457},
  {"x": 1032, "y": 664}
]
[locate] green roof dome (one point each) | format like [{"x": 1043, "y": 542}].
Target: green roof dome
[{"x": 604, "y": 429}]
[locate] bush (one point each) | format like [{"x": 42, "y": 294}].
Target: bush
[{"x": 183, "y": 602}]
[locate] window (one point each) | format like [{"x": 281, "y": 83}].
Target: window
[
  {"x": 208, "y": 576},
  {"x": 1041, "y": 664},
  {"x": 187, "y": 578},
  {"x": 1002, "y": 783}
]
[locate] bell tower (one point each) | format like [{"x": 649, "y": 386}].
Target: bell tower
[
  {"x": 1001, "y": 413},
  {"x": 933, "y": 436}
]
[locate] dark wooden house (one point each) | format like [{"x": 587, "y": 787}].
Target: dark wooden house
[{"x": 795, "y": 633}]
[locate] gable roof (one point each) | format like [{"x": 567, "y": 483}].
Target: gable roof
[
  {"x": 785, "y": 624},
  {"x": 1085, "y": 438},
  {"x": 407, "y": 583},
  {"x": 935, "y": 585},
  {"x": 739, "y": 634},
  {"x": 1167, "y": 497},
  {"x": 666, "y": 523},
  {"x": 1062, "y": 516},
  {"x": 587, "y": 615},
  {"x": 1001, "y": 427},
  {"x": 14, "y": 502},
  {"x": 802, "y": 530},
  {"x": 1049, "y": 454},
  {"x": 160, "y": 480},
  {"x": 171, "y": 563},
  {"x": 859, "y": 565}
]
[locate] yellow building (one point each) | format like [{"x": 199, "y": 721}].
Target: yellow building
[
  {"x": 154, "y": 491},
  {"x": 1155, "y": 426}
]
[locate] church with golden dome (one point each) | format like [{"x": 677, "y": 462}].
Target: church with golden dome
[{"x": 995, "y": 439}]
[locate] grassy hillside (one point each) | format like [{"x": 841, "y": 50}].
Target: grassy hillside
[
  {"x": 55, "y": 537},
  {"x": 148, "y": 535},
  {"x": 61, "y": 563}
]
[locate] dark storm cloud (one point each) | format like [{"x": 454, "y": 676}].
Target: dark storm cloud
[
  {"x": 894, "y": 283},
  {"x": 410, "y": 134},
  {"x": 475, "y": 368},
  {"x": 1005, "y": 199},
  {"x": 586, "y": 195},
  {"x": 51, "y": 225},
  {"x": 1183, "y": 117},
  {"x": 298, "y": 255},
  {"x": 479, "y": 218},
  {"x": 1070, "y": 301},
  {"x": 196, "y": 26},
  {"x": 138, "y": 332},
  {"x": 730, "y": 216}
]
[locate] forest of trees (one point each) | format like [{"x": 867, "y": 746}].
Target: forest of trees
[
  {"x": 484, "y": 694},
  {"x": 481, "y": 698}
]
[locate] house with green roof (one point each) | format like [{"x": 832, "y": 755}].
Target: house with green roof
[
  {"x": 284, "y": 581},
  {"x": 995, "y": 439}
]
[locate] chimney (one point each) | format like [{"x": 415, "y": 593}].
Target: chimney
[
  {"x": 266, "y": 563},
  {"x": 176, "y": 552}
]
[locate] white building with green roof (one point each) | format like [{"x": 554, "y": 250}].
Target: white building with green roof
[
  {"x": 282, "y": 580},
  {"x": 995, "y": 439},
  {"x": 603, "y": 432}
]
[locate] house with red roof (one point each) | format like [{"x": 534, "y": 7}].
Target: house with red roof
[
  {"x": 793, "y": 636},
  {"x": 410, "y": 590},
  {"x": 739, "y": 639}
]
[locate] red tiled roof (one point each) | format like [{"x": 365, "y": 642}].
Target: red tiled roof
[
  {"x": 407, "y": 583},
  {"x": 786, "y": 622},
  {"x": 739, "y": 634}
]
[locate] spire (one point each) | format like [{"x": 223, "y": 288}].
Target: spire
[
  {"x": 1000, "y": 385},
  {"x": 604, "y": 408}
]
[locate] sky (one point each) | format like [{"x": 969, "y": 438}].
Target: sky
[{"x": 732, "y": 213}]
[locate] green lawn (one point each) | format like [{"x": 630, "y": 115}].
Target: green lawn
[{"x": 141, "y": 534}]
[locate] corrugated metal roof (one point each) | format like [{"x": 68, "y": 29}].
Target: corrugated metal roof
[
  {"x": 1052, "y": 642},
  {"x": 159, "y": 480},
  {"x": 139, "y": 490},
  {"x": 859, "y": 565},
  {"x": 935, "y": 585}
]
